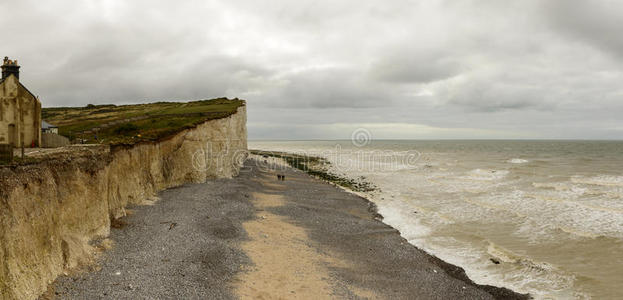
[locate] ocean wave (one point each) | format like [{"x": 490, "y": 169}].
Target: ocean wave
[
  {"x": 578, "y": 233},
  {"x": 485, "y": 174},
  {"x": 558, "y": 186},
  {"x": 616, "y": 193},
  {"x": 556, "y": 278},
  {"x": 448, "y": 196},
  {"x": 503, "y": 254},
  {"x": 601, "y": 180},
  {"x": 570, "y": 190},
  {"x": 564, "y": 190},
  {"x": 508, "y": 210}
]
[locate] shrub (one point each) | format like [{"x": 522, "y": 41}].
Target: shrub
[{"x": 126, "y": 129}]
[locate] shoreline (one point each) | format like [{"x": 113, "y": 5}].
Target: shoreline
[
  {"x": 256, "y": 236},
  {"x": 314, "y": 165}
]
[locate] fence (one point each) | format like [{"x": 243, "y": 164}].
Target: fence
[{"x": 52, "y": 140}]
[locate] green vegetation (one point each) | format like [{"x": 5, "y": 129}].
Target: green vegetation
[
  {"x": 126, "y": 129},
  {"x": 129, "y": 124},
  {"x": 319, "y": 167}
]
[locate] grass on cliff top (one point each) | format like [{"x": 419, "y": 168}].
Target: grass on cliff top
[
  {"x": 319, "y": 167},
  {"x": 129, "y": 124}
]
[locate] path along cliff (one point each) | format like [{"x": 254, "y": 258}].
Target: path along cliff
[{"x": 54, "y": 214}]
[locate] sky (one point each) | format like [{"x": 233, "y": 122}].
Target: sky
[{"x": 323, "y": 69}]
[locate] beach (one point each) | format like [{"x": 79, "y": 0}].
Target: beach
[
  {"x": 537, "y": 217},
  {"x": 256, "y": 237}
]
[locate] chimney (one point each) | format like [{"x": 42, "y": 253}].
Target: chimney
[{"x": 10, "y": 67}]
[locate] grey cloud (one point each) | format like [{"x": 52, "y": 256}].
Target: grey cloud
[
  {"x": 487, "y": 64},
  {"x": 130, "y": 80},
  {"x": 497, "y": 98},
  {"x": 415, "y": 66},
  {"x": 596, "y": 22},
  {"x": 329, "y": 88},
  {"x": 491, "y": 93}
]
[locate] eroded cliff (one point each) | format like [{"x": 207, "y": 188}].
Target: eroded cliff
[{"x": 51, "y": 212}]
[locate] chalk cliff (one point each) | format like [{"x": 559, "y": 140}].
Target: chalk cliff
[{"x": 52, "y": 212}]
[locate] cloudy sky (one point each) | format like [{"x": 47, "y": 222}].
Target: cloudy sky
[{"x": 408, "y": 69}]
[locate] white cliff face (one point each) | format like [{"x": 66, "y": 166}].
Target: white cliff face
[
  {"x": 49, "y": 212},
  {"x": 215, "y": 149}
]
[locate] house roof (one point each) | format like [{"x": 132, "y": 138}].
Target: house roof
[
  {"x": 46, "y": 125},
  {"x": 27, "y": 90},
  {"x": 33, "y": 95}
]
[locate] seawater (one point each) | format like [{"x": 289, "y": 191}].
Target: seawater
[{"x": 538, "y": 217}]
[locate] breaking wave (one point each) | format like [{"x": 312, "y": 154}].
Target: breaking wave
[
  {"x": 487, "y": 175},
  {"x": 602, "y": 180}
]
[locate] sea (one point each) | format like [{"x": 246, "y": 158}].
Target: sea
[{"x": 539, "y": 217}]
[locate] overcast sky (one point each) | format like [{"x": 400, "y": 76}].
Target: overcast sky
[{"x": 320, "y": 69}]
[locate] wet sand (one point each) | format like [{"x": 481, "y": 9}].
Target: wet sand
[{"x": 254, "y": 237}]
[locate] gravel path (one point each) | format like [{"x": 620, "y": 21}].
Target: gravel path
[{"x": 189, "y": 245}]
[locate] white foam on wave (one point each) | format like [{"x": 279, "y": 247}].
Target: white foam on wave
[
  {"x": 541, "y": 280},
  {"x": 410, "y": 228},
  {"x": 516, "y": 272},
  {"x": 429, "y": 202},
  {"x": 602, "y": 180},
  {"x": 491, "y": 201},
  {"x": 543, "y": 276},
  {"x": 564, "y": 190},
  {"x": 558, "y": 186},
  {"x": 571, "y": 211},
  {"x": 486, "y": 174}
]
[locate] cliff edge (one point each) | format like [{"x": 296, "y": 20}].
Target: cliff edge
[{"x": 51, "y": 212}]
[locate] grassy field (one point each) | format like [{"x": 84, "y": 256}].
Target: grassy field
[{"x": 129, "y": 124}]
